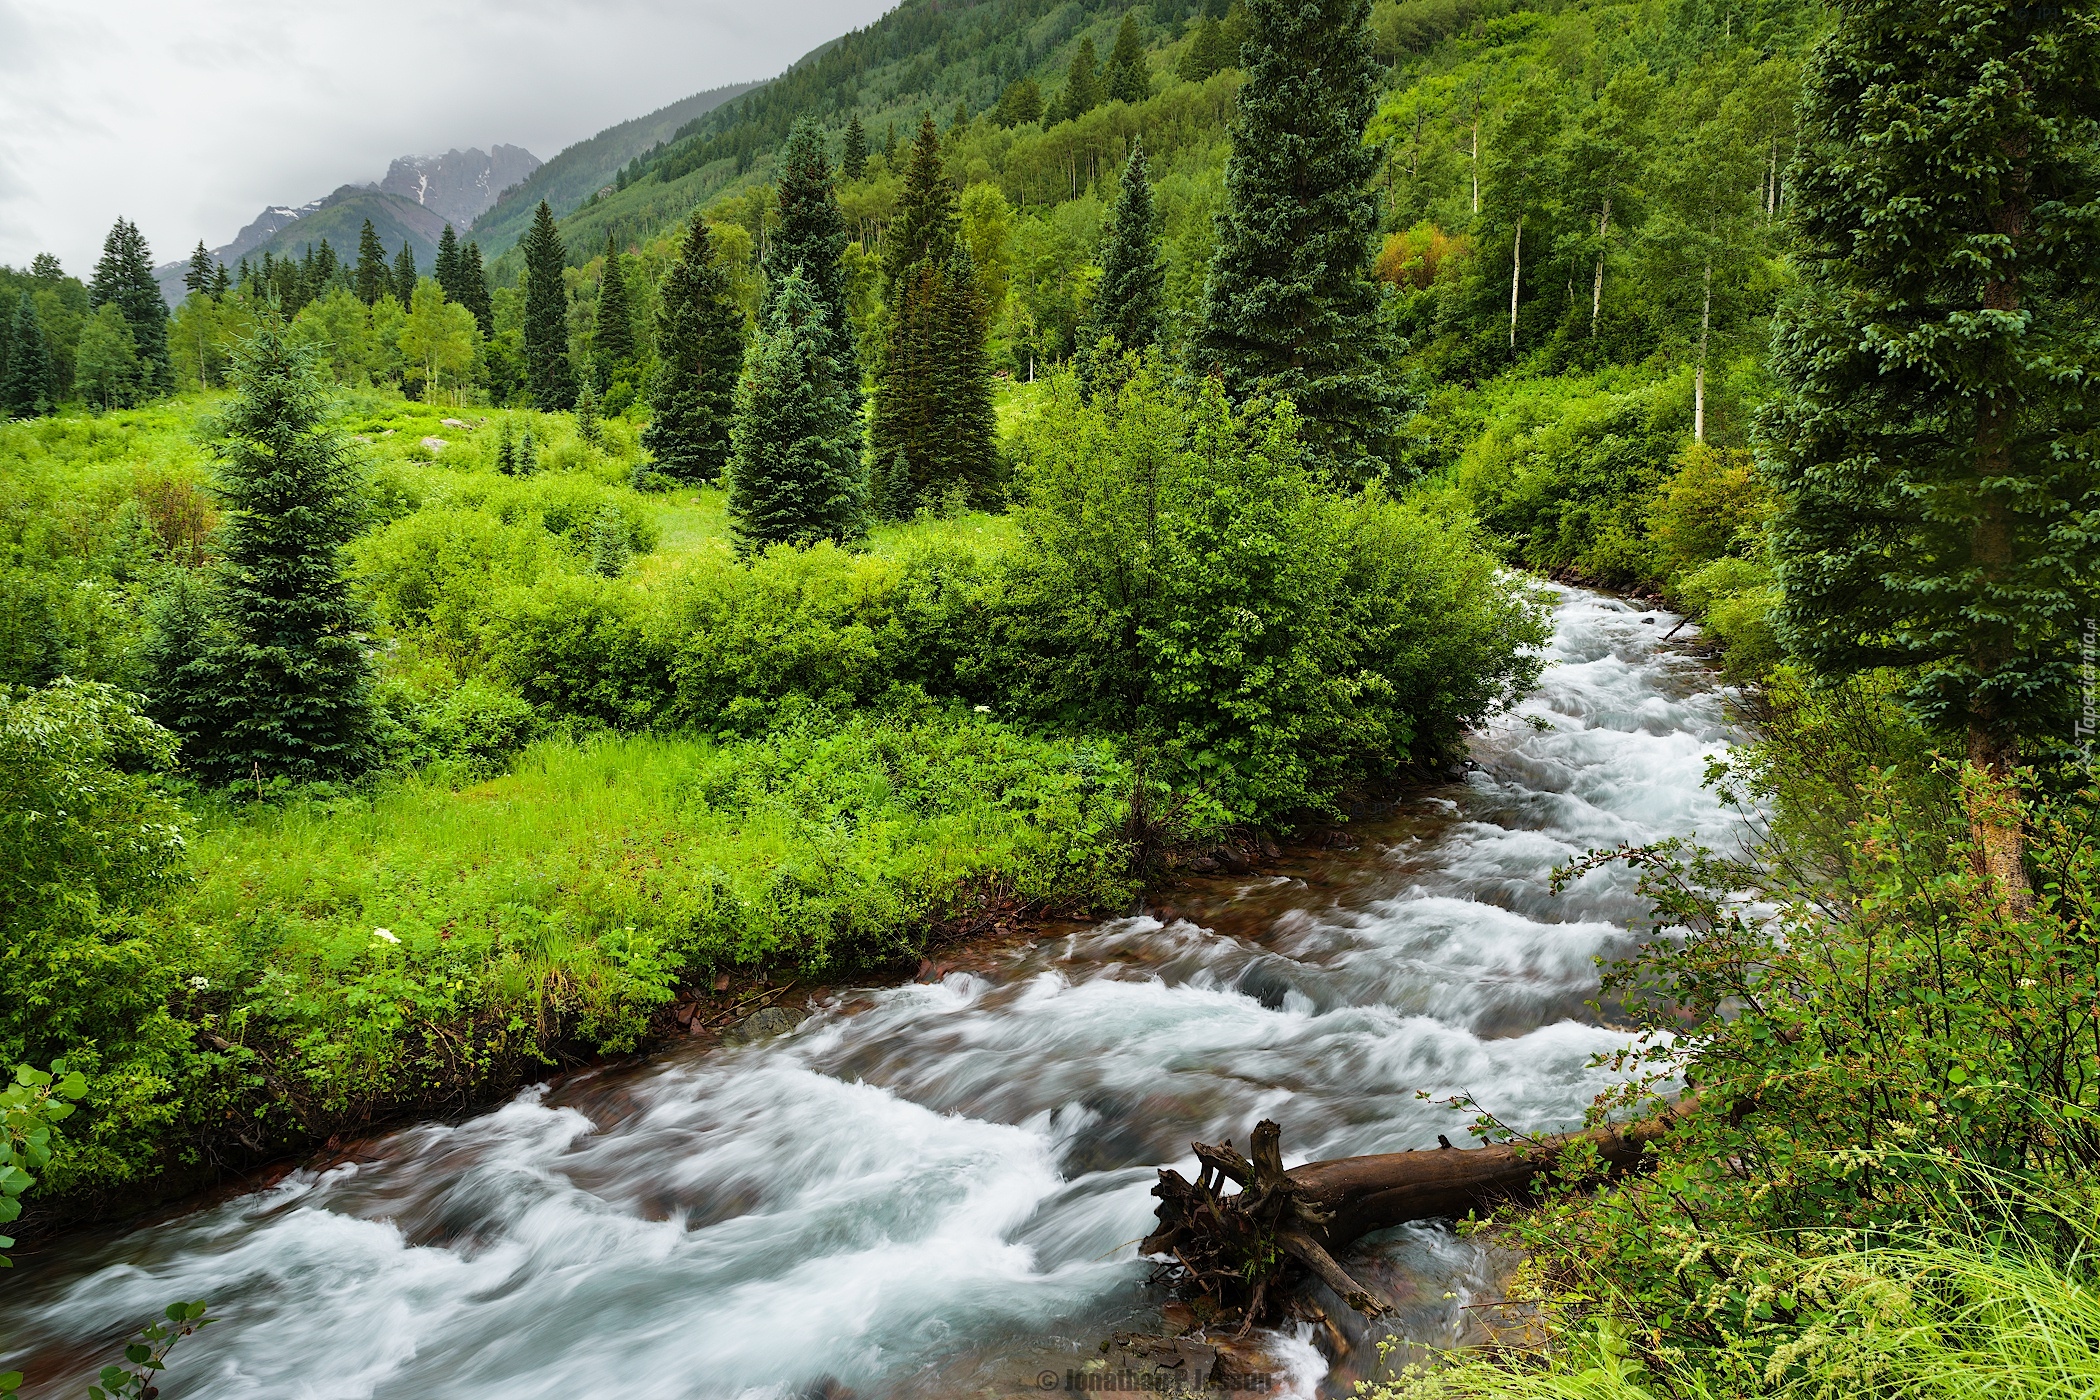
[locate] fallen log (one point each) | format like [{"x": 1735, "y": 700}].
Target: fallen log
[{"x": 1237, "y": 1253}]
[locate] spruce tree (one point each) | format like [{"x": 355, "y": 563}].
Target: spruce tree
[
  {"x": 854, "y": 158},
  {"x": 371, "y": 280},
  {"x": 1128, "y": 299},
  {"x": 447, "y": 268},
  {"x": 1020, "y": 104},
  {"x": 1289, "y": 309},
  {"x": 1083, "y": 91},
  {"x": 1935, "y": 442},
  {"x": 794, "y": 474},
  {"x": 221, "y": 282},
  {"x": 474, "y": 289},
  {"x": 404, "y": 278},
  {"x": 612, "y": 348},
  {"x": 291, "y": 692},
  {"x": 1127, "y": 79},
  {"x": 699, "y": 355},
  {"x": 198, "y": 277},
  {"x": 547, "y": 376},
  {"x": 124, "y": 279},
  {"x": 27, "y": 384},
  {"x": 932, "y": 402},
  {"x": 811, "y": 238},
  {"x": 925, "y": 226}
]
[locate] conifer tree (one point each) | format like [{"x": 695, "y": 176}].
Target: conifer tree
[
  {"x": 699, "y": 356},
  {"x": 547, "y": 375},
  {"x": 853, "y": 160},
  {"x": 610, "y": 547},
  {"x": 289, "y": 693},
  {"x": 221, "y": 282},
  {"x": 447, "y": 268},
  {"x": 932, "y": 402},
  {"x": 926, "y": 223},
  {"x": 1020, "y": 104},
  {"x": 371, "y": 280},
  {"x": 326, "y": 269},
  {"x": 27, "y": 384},
  {"x": 1289, "y": 308},
  {"x": 1127, "y": 78},
  {"x": 1083, "y": 91},
  {"x": 612, "y": 348},
  {"x": 1935, "y": 443},
  {"x": 794, "y": 474},
  {"x": 124, "y": 279},
  {"x": 1127, "y": 300},
  {"x": 587, "y": 426},
  {"x": 811, "y": 238},
  {"x": 198, "y": 277},
  {"x": 889, "y": 146},
  {"x": 474, "y": 288},
  {"x": 404, "y": 279}
]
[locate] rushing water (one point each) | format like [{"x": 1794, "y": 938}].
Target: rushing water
[{"x": 936, "y": 1189}]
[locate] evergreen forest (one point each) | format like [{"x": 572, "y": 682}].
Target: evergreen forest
[{"x": 1032, "y": 450}]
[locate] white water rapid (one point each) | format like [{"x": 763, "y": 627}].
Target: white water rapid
[{"x": 936, "y": 1189}]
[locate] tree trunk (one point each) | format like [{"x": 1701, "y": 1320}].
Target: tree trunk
[
  {"x": 1243, "y": 1250},
  {"x": 1516, "y": 267},
  {"x": 1597, "y": 286},
  {"x": 1706, "y": 317},
  {"x": 1476, "y": 155}
]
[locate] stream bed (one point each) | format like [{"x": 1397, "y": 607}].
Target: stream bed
[{"x": 937, "y": 1189}]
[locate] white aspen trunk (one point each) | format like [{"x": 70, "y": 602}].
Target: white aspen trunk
[
  {"x": 1597, "y": 286},
  {"x": 1516, "y": 268},
  {"x": 1772, "y": 179},
  {"x": 1476, "y": 155},
  {"x": 1706, "y": 315}
]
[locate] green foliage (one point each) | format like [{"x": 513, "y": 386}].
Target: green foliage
[
  {"x": 1083, "y": 90},
  {"x": 794, "y": 470},
  {"x": 107, "y": 370},
  {"x": 612, "y": 346},
  {"x": 31, "y": 1108},
  {"x": 547, "y": 374},
  {"x": 1935, "y": 447},
  {"x": 1127, "y": 78},
  {"x": 853, "y": 159},
  {"x": 1290, "y": 311},
  {"x": 146, "y": 1356},
  {"x": 1187, "y": 582},
  {"x": 699, "y": 359},
  {"x": 404, "y": 275}
]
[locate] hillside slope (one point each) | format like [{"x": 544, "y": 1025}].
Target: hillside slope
[{"x": 572, "y": 175}]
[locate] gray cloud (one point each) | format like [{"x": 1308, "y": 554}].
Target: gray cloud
[{"x": 189, "y": 118}]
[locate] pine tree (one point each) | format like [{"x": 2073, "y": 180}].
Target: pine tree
[
  {"x": 371, "y": 280},
  {"x": 327, "y": 269},
  {"x": 547, "y": 375},
  {"x": 587, "y": 426},
  {"x": 447, "y": 269},
  {"x": 794, "y": 475},
  {"x": 1127, "y": 79},
  {"x": 27, "y": 383},
  {"x": 1935, "y": 442},
  {"x": 198, "y": 277},
  {"x": 221, "y": 283},
  {"x": 1083, "y": 91},
  {"x": 291, "y": 694},
  {"x": 404, "y": 278},
  {"x": 932, "y": 401},
  {"x": 1289, "y": 310},
  {"x": 854, "y": 159},
  {"x": 1020, "y": 104},
  {"x": 474, "y": 289},
  {"x": 925, "y": 225},
  {"x": 811, "y": 238},
  {"x": 610, "y": 546},
  {"x": 612, "y": 348},
  {"x": 889, "y": 147},
  {"x": 1128, "y": 299},
  {"x": 699, "y": 356},
  {"x": 124, "y": 279}
]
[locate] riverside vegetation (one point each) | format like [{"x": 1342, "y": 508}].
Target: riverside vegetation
[{"x": 413, "y": 682}]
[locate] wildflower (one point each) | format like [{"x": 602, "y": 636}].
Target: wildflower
[
  {"x": 984, "y": 709},
  {"x": 202, "y": 984},
  {"x": 385, "y": 933}
]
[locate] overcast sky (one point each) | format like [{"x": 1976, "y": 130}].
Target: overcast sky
[{"x": 189, "y": 116}]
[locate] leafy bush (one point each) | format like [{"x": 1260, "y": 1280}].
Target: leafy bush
[{"x": 1184, "y": 581}]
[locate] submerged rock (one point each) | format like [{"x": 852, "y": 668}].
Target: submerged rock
[{"x": 763, "y": 1025}]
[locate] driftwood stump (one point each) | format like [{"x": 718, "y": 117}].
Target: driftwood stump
[{"x": 1240, "y": 1253}]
